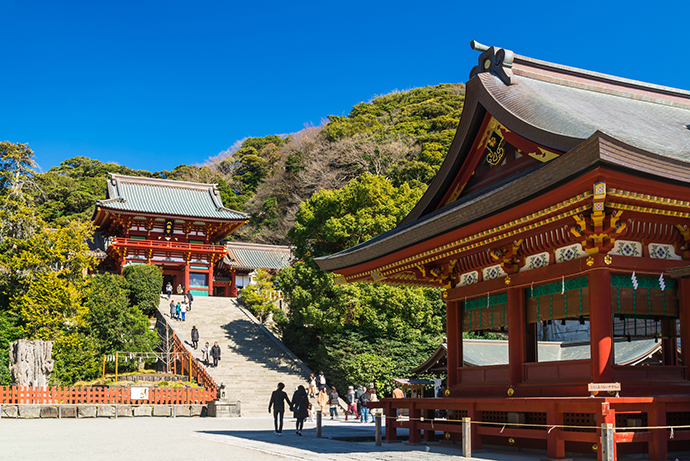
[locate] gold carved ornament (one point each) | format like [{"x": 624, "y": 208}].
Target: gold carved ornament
[{"x": 599, "y": 230}]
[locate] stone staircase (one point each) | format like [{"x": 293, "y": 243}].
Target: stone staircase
[{"x": 252, "y": 362}]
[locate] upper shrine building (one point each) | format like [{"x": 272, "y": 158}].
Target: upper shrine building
[
  {"x": 176, "y": 225},
  {"x": 563, "y": 202}
]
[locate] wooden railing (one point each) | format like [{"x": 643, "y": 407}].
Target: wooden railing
[
  {"x": 186, "y": 364},
  {"x": 161, "y": 244},
  {"x": 95, "y": 395}
]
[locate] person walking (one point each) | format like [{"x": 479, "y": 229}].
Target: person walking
[
  {"x": 351, "y": 400},
  {"x": 168, "y": 289},
  {"x": 179, "y": 289},
  {"x": 375, "y": 411},
  {"x": 177, "y": 311},
  {"x": 312, "y": 385},
  {"x": 323, "y": 400},
  {"x": 358, "y": 394},
  {"x": 195, "y": 337},
  {"x": 172, "y": 309},
  {"x": 300, "y": 406},
  {"x": 183, "y": 309},
  {"x": 190, "y": 298},
  {"x": 398, "y": 394},
  {"x": 333, "y": 400},
  {"x": 321, "y": 381},
  {"x": 205, "y": 353},
  {"x": 215, "y": 353},
  {"x": 277, "y": 398},
  {"x": 364, "y": 403}
]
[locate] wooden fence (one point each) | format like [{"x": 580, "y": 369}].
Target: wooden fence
[
  {"x": 96, "y": 395},
  {"x": 185, "y": 364}
]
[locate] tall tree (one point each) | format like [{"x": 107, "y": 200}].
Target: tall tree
[{"x": 356, "y": 330}]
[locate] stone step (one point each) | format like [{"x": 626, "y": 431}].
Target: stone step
[{"x": 251, "y": 362}]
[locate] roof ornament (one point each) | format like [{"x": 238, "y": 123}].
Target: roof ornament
[{"x": 497, "y": 61}]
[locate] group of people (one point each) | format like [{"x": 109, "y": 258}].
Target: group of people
[
  {"x": 180, "y": 290},
  {"x": 179, "y": 309},
  {"x": 357, "y": 400}
]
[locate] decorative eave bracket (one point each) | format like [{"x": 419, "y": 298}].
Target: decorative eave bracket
[{"x": 497, "y": 61}]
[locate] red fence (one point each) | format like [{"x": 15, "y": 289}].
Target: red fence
[
  {"x": 104, "y": 395},
  {"x": 186, "y": 364}
]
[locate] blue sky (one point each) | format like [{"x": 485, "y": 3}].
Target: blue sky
[{"x": 152, "y": 85}]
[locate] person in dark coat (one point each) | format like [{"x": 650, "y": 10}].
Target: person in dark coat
[
  {"x": 190, "y": 298},
  {"x": 333, "y": 400},
  {"x": 277, "y": 398},
  {"x": 195, "y": 337},
  {"x": 300, "y": 406},
  {"x": 215, "y": 353},
  {"x": 172, "y": 309},
  {"x": 364, "y": 405}
]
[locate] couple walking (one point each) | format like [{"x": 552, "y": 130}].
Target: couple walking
[
  {"x": 299, "y": 405},
  {"x": 210, "y": 353}
]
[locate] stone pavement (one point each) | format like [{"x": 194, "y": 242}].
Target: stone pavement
[{"x": 210, "y": 439}]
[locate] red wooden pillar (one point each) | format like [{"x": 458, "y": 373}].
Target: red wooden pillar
[
  {"x": 516, "y": 335},
  {"x": 233, "y": 285},
  {"x": 606, "y": 415},
  {"x": 475, "y": 416},
  {"x": 684, "y": 314},
  {"x": 658, "y": 448},
  {"x": 415, "y": 432},
  {"x": 391, "y": 432},
  {"x": 601, "y": 325},
  {"x": 453, "y": 342},
  {"x": 429, "y": 415},
  {"x": 555, "y": 445},
  {"x": 186, "y": 276},
  {"x": 210, "y": 279}
]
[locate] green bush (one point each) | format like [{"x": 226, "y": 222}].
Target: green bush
[{"x": 145, "y": 283}]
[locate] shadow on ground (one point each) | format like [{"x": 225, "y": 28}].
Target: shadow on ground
[{"x": 256, "y": 346}]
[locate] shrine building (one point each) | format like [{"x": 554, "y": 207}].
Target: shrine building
[
  {"x": 563, "y": 203},
  {"x": 176, "y": 225}
]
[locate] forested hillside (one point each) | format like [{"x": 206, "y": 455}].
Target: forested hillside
[{"x": 403, "y": 136}]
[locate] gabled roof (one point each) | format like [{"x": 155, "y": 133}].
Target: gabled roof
[
  {"x": 593, "y": 119},
  {"x": 166, "y": 197},
  {"x": 251, "y": 256}
]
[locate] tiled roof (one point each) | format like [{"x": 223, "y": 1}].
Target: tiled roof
[
  {"x": 256, "y": 256},
  {"x": 170, "y": 198},
  {"x": 563, "y": 107},
  {"x": 594, "y": 118}
]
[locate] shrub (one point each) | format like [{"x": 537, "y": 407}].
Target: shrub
[{"x": 145, "y": 283}]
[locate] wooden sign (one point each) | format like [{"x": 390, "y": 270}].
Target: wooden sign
[
  {"x": 604, "y": 387},
  {"x": 139, "y": 393}
]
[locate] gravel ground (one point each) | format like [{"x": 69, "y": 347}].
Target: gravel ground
[{"x": 208, "y": 439}]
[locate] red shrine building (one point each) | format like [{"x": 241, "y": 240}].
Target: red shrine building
[
  {"x": 563, "y": 203},
  {"x": 176, "y": 225}
]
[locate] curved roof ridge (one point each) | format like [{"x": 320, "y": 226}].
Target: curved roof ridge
[
  {"x": 144, "y": 181},
  {"x": 603, "y": 83}
]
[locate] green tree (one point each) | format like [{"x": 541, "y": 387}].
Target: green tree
[
  {"x": 356, "y": 331},
  {"x": 331, "y": 221},
  {"x": 145, "y": 284},
  {"x": 115, "y": 324},
  {"x": 258, "y": 296}
]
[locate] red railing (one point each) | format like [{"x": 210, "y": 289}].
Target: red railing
[
  {"x": 185, "y": 364},
  {"x": 95, "y": 395},
  {"x": 160, "y": 244}
]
